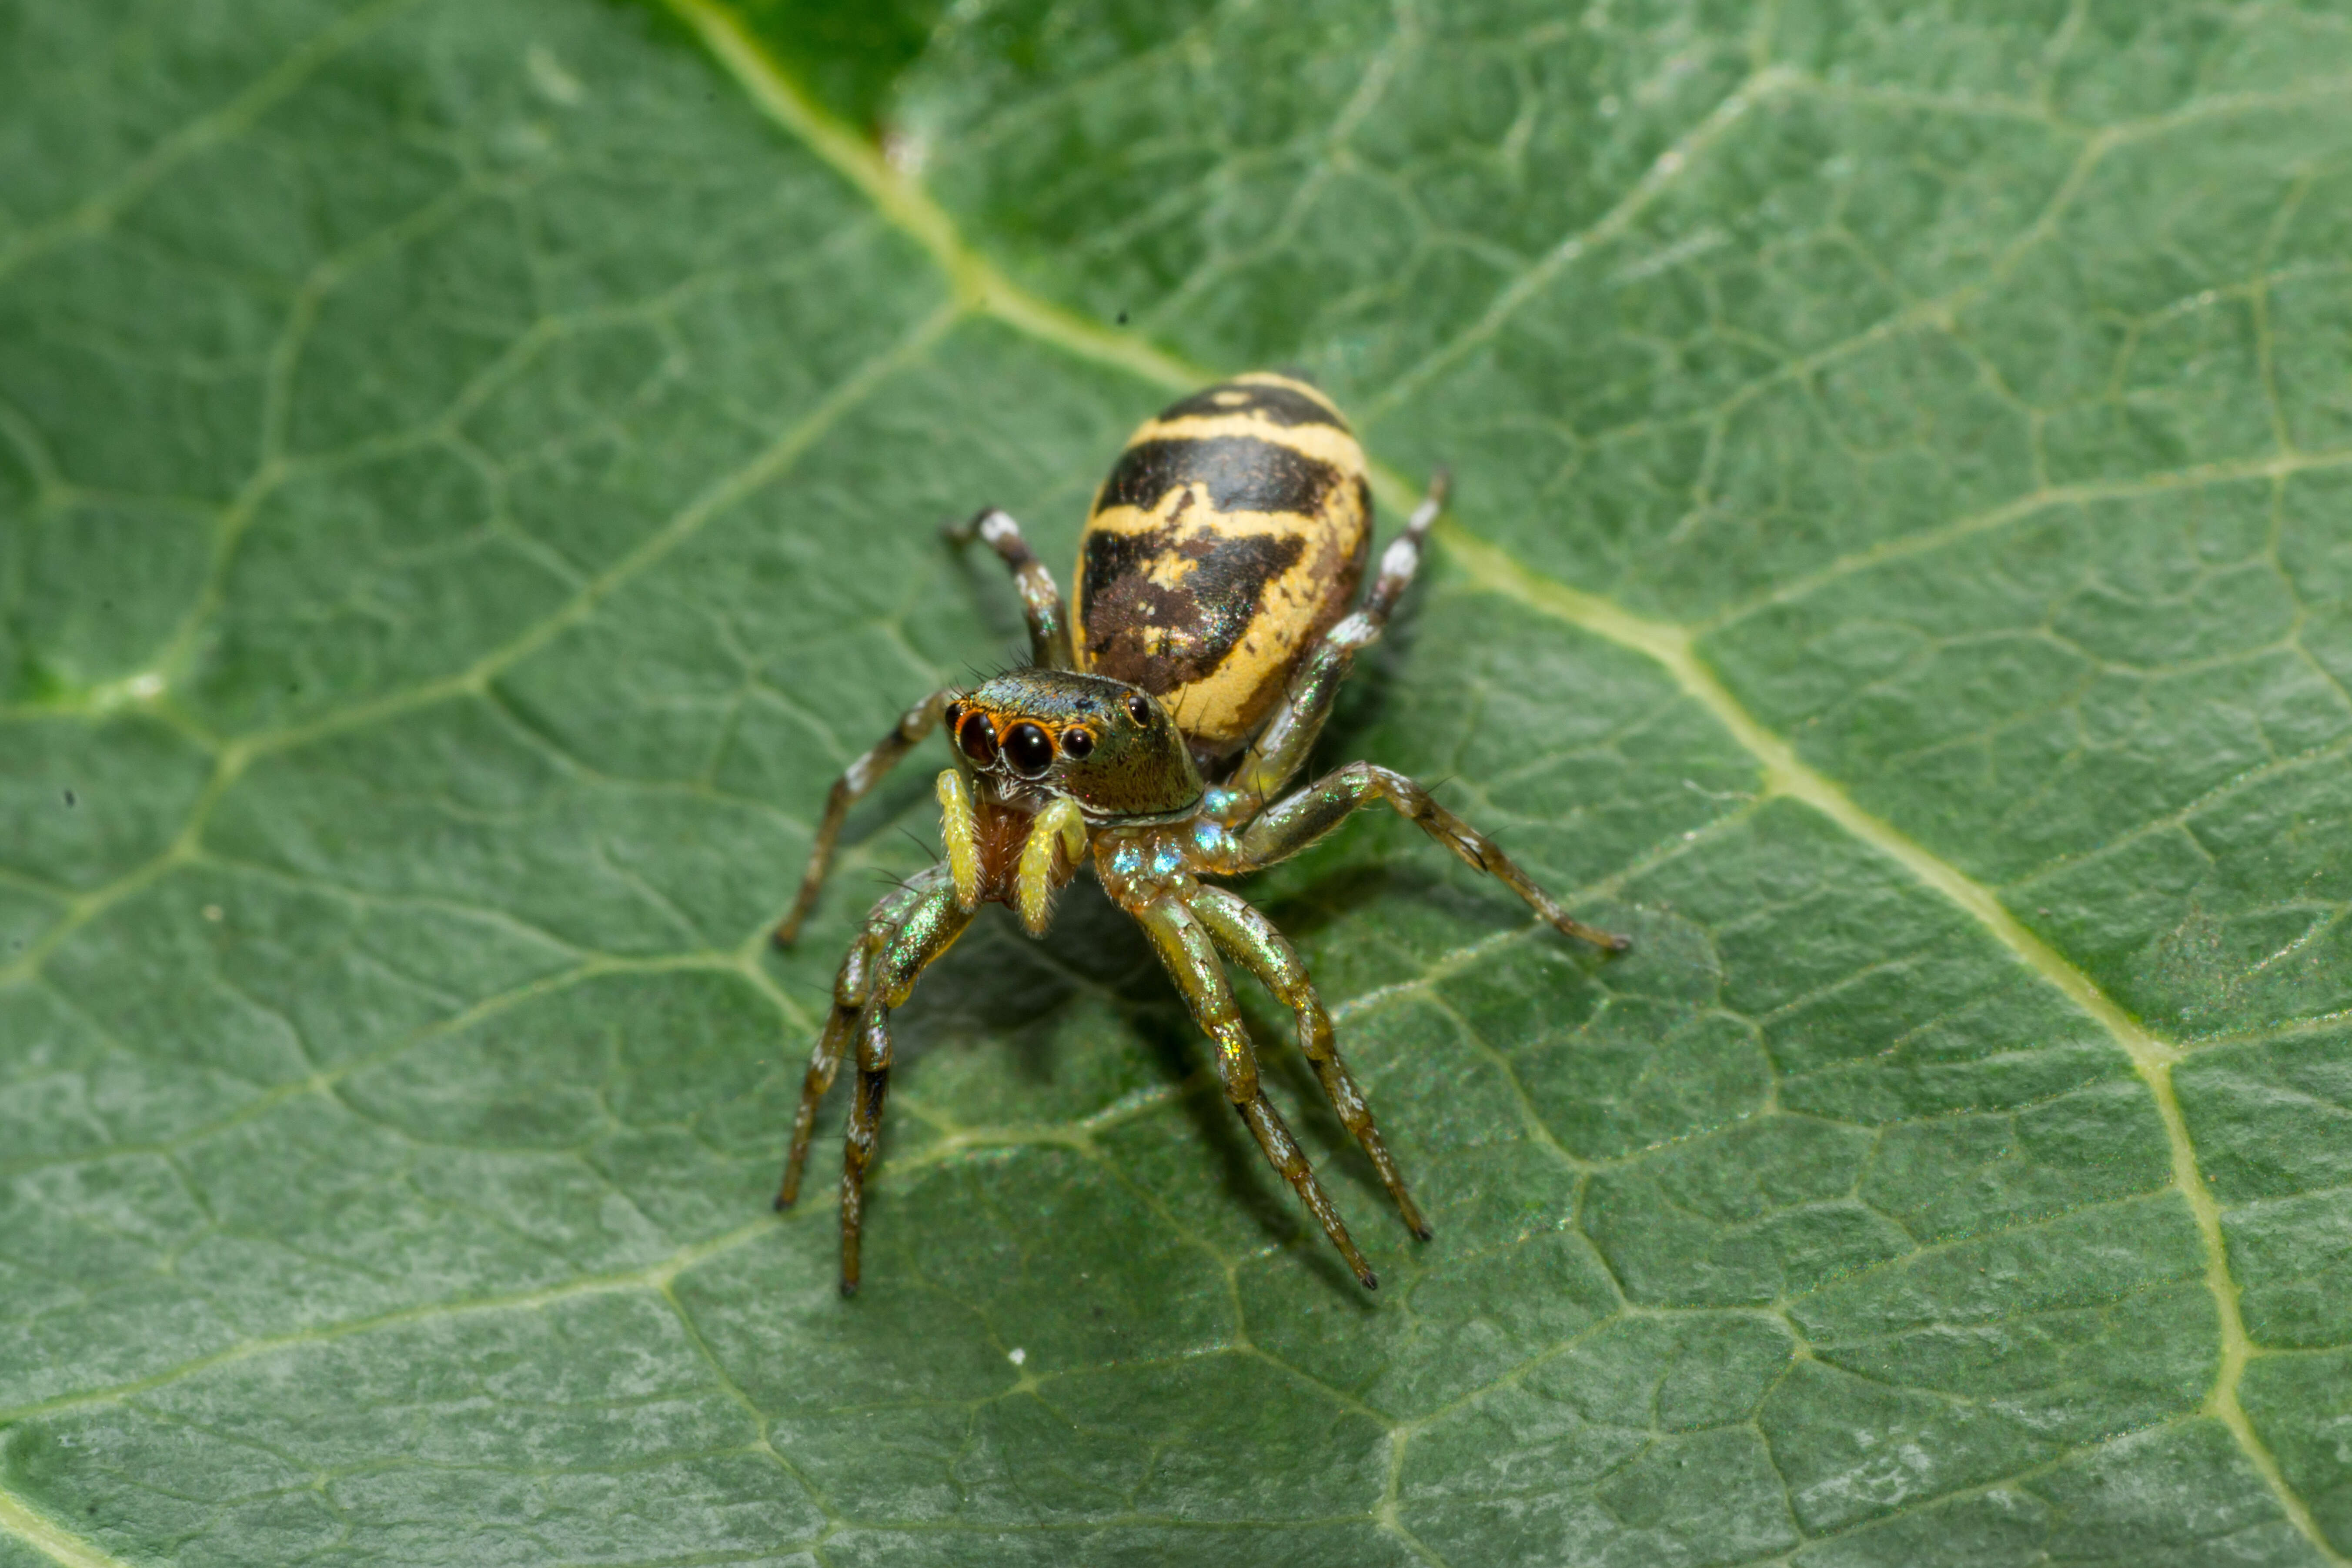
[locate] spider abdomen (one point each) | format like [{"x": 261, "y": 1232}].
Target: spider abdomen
[{"x": 1229, "y": 535}]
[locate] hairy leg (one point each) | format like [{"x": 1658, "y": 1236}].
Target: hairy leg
[
  {"x": 859, "y": 777},
  {"x": 1288, "y": 826},
  {"x": 864, "y": 1137},
  {"x": 1186, "y": 949},
  {"x": 1041, "y": 600},
  {"x": 1253, "y": 942},
  {"x": 1281, "y": 747},
  {"x": 907, "y": 929},
  {"x": 853, "y": 985}
]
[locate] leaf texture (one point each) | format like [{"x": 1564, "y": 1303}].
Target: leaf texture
[{"x": 467, "y": 478}]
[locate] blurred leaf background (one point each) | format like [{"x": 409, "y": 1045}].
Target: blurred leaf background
[{"x": 468, "y": 480}]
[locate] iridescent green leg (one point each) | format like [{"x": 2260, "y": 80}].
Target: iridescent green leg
[
  {"x": 1189, "y": 953},
  {"x": 852, "y": 984},
  {"x": 1281, "y": 747},
  {"x": 1288, "y": 826},
  {"x": 825, "y": 1060},
  {"x": 1041, "y": 600},
  {"x": 1252, "y": 942},
  {"x": 929, "y": 929},
  {"x": 862, "y": 776},
  {"x": 864, "y": 1135},
  {"x": 907, "y": 931}
]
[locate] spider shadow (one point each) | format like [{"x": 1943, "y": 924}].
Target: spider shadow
[
  {"x": 1243, "y": 1176},
  {"x": 997, "y": 985}
]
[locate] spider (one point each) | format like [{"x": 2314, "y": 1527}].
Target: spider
[{"x": 1154, "y": 732}]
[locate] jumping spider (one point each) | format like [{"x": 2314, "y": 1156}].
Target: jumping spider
[{"x": 1155, "y": 730}]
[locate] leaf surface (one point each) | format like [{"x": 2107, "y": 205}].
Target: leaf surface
[{"x": 467, "y": 476}]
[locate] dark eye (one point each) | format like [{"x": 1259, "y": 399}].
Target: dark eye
[
  {"x": 952, "y": 715},
  {"x": 978, "y": 738},
  {"x": 1140, "y": 710},
  {"x": 1029, "y": 750},
  {"x": 1077, "y": 744}
]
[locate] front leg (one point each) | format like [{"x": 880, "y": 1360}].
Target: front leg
[
  {"x": 852, "y": 985},
  {"x": 1040, "y": 600},
  {"x": 1284, "y": 830},
  {"x": 908, "y": 930},
  {"x": 1253, "y": 942},
  {"x": 1190, "y": 953}
]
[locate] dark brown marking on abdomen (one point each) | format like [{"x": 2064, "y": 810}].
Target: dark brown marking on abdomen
[
  {"x": 1200, "y": 618},
  {"x": 1242, "y": 473},
  {"x": 1276, "y": 403}
]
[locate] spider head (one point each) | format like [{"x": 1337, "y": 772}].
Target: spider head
[{"x": 1109, "y": 746}]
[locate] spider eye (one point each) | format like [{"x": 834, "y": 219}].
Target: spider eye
[
  {"x": 1077, "y": 744},
  {"x": 978, "y": 738},
  {"x": 952, "y": 714},
  {"x": 1028, "y": 749},
  {"x": 1140, "y": 710}
]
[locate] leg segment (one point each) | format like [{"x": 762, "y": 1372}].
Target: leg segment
[
  {"x": 861, "y": 775},
  {"x": 853, "y": 986},
  {"x": 907, "y": 929},
  {"x": 1284, "y": 830},
  {"x": 1281, "y": 747},
  {"x": 1041, "y": 600},
  {"x": 864, "y": 1135},
  {"x": 1253, "y": 942},
  {"x": 1186, "y": 949}
]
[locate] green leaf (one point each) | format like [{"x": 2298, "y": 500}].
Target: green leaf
[{"x": 467, "y": 478}]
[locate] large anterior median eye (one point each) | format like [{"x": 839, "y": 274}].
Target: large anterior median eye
[
  {"x": 1029, "y": 750},
  {"x": 977, "y": 736}
]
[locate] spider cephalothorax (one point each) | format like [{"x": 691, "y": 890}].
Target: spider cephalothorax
[
  {"x": 1104, "y": 745},
  {"x": 1214, "y": 582}
]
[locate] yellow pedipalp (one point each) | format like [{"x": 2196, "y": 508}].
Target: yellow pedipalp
[
  {"x": 1058, "y": 826},
  {"x": 959, "y": 831},
  {"x": 1072, "y": 824}
]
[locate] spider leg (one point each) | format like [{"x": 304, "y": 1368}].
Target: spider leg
[
  {"x": 1252, "y": 942},
  {"x": 1041, "y": 600},
  {"x": 1281, "y": 747},
  {"x": 864, "y": 1135},
  {"x": 1189, "y": 953},
  {"x": 1291, "y": 825},
  {"x": 860, "y": 776},
  {"x": 907, "y": 929},
  {"x": 852, "y": 984}
]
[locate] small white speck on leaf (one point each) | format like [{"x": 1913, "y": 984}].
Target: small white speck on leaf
[
  {"x": 905, "y": 150},
  {"x": 1017, "y": 1355},
  {"x": 212, "y": 913},
  {"x": 547, "y": 74}
]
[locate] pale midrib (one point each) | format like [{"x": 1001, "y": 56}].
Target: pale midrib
[
  {"x": 1785, "y": 774},
  {"x": 981, "y": 287},
  {"x": 38, "y": 1531}
]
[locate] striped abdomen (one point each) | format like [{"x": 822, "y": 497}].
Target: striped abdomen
[{"x": 1228, "y": 538}]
